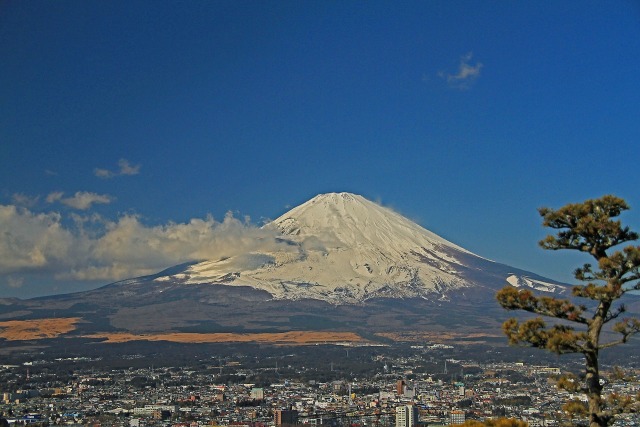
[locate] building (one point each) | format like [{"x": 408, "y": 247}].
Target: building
[
  {"x": 150, "y": 410},
  {"x": 257, "y": 394},
  {"x": 286, "y": 417},
  {"x": 406, "y": 416},
  {"x": 456, "y": 417}
]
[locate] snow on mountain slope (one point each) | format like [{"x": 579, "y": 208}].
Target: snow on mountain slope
[
  {"x": 344, "y": 249},
  {"x": 528, "y": 282}
]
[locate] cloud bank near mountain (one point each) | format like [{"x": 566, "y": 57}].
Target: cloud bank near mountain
[{"x": 91, "y": 248}]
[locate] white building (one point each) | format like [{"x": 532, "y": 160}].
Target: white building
[
  {"x": 257, "y": 393},
  {"x": 406, "y": 416}
]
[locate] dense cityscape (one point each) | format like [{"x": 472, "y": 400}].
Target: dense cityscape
[{"x": 430, "y": 384}]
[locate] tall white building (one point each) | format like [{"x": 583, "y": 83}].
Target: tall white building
[
  {"x": 406, "y": 416},
  {"x": 257, "y": 393}
]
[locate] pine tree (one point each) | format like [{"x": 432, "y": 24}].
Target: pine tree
[{"x": 587, "y": 227}]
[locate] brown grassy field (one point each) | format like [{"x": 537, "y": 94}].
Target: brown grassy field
[
  {"x": 26, "y": 330},
  {"x": 23, "y": 330},
  {"x": 289, "y": 338}
]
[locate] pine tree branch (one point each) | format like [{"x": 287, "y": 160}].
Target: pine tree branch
[
  {"x": 615, "y": 314},
  {"x": 612, "y": 343},
  {"x": 587, "y": 227},
  {"x": 631, "y": 279},
  {"x": 559, "y": 339},
  {"x": 626, "y": 327},
  {"x": 511, "y": 298}
]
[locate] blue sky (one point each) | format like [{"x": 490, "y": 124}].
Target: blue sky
[{"x": 130, "y": 129}]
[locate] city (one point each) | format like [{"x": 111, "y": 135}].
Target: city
[{"x": 430, "y": 384}]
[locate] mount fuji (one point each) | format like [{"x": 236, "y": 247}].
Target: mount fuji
[
  {"x": 338, "y": 262},
  {"x": 344, "y": 249}
]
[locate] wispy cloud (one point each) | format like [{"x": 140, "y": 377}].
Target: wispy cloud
[
  {"x": 466, "y": 74},
  {"x": 15, "y": 282},
  {"x": 25, "y": 200},
  {"x": 82, "y": 200},
  {"x": 54, "y": 196},
  {"x": 125, "y": 168}
]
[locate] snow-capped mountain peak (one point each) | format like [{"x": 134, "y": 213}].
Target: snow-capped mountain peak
[
  {"x": 343, "y": 248},
  {"x": 353, "y": 221}
]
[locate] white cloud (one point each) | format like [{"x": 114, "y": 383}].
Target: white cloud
[
  {"x": 25, "y": 200},
  {"x": 102, "y": 173},
  {"x": 118, "y": 249},
  {"x": 82, "y": 200},
  {"x": 128, "y": 169},
  {"x": 129, "y": 248},
  {"x": 54, "y": 196},
  {"x": 31, "y": 241},
  {"x": 125, "y": 168},
  {"x": 466, "y": 73}
]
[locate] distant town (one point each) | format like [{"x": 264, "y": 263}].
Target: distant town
[{"x": 334, "y": 386}]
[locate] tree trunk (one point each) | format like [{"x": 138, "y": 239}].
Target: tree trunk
[{"x": 594, "y": 389}]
